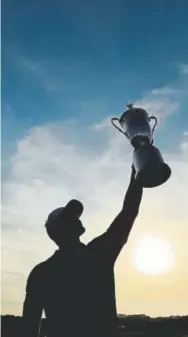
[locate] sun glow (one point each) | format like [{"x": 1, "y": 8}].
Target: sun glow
[{"x": 153, "y": 255}]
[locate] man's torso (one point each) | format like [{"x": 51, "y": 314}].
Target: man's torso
[{"x": 78, "y": 294}]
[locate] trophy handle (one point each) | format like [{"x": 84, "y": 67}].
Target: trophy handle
[
  {"x": 155, "y": 123},
  {"x": 113, "y": 119}
]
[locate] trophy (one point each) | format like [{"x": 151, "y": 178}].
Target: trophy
[{"x": 150, "y": 168}]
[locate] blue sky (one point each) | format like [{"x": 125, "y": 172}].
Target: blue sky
[
  {"x": 60, "y": 55},
  {"x": 68, "y": 66}
]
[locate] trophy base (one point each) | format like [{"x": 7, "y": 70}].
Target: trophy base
[
  {"x": 154, "y": 176},
  {"x": 150, "y": 168}
]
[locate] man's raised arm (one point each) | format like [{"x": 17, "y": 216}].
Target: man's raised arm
[{"x": 112, "y": 241}]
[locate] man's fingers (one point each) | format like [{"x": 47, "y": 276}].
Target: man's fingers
[
  {"x": 132, "y": 172},
  {"x": 133, "y": 168}
]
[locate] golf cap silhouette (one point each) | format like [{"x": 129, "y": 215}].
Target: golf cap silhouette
[{"x": 73, "y": 207}]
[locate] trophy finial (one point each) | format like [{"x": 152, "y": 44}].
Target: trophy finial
[{"x": 130, "y": 105}]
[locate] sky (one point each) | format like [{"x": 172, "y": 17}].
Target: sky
[{"x": 67, "y": 68}]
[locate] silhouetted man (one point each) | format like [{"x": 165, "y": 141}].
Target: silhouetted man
[{"x": 75, "y": 286}]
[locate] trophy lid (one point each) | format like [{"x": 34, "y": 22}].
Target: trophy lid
[
  {"x": 131, "y": 110},
  {"x": 130, "y": 105}
]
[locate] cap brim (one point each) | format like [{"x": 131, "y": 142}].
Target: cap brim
[{"x": 75, "y": 207}]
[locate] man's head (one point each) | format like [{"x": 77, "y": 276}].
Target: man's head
[{"x": 63, "y": 224}]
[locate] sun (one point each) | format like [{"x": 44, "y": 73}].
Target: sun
[{"x": 153, "y": 255}]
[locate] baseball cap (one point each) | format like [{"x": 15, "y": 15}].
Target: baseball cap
[{"x": 73, "y": 207}]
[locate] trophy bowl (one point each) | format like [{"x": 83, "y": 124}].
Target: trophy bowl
[{"x": 150, "y": 168}]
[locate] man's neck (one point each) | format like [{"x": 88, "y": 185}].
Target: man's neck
[{"x": 70, "y": 246}]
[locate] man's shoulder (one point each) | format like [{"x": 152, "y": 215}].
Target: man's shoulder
[
  {"x": 40, "y": 269},
  {"x": 99, "y": 246},
  {"x": 97, "y": 242}
]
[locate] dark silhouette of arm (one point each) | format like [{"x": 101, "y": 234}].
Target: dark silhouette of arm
[
  {"x": 112, "y": 241},
  {"x": 119, "y": 230},
  {"x": 32, "y": 307}
]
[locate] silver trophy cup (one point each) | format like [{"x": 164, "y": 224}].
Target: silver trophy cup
[{"x": 150, "y": 168}]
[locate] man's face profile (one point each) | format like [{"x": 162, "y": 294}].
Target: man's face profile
[
  {"x": 64, "y": 225},
  {"x": 68, "y": 227}
]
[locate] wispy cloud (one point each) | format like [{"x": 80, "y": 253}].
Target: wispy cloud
[
  {"x": 161, "y": 102},
  {"x": 184, "y": 145},
  {"x": 184, "y": 69},
  {"x": 165, "y": 91},
  {"x": 46, "y": 79}
]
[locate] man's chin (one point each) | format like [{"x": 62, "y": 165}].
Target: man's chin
[{"x": 82, "y": 231}]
